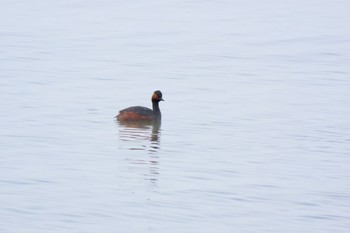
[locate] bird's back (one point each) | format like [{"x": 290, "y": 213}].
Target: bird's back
[{"x": 136, "y": 113}]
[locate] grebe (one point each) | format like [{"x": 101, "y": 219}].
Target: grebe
[{"x": 139, "y": 113}]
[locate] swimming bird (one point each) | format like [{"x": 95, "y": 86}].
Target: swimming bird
[{"x": 138, "y": 113}]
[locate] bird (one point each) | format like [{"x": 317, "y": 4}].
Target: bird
[{"x": 139, "y": 113}]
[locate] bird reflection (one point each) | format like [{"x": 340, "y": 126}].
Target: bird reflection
[{"x": 141, "y": 135}]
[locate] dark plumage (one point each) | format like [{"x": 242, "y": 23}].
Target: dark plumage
[{"x": 138, "y": 113}]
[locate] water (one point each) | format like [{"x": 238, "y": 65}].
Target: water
[{"x": 255, "y": 134}]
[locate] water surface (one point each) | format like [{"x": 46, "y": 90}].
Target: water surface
[{"x": 255, "y": 135}]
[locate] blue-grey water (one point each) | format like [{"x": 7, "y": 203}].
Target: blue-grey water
[{"x": 255, "y": 135}]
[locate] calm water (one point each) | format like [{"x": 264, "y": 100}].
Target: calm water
[{"x": 255, "y": 134}]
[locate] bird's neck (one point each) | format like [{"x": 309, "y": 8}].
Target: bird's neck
[{"x": 156, "y": 110}]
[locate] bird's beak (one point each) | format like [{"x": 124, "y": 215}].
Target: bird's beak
[{"x": 161, "y": 99}]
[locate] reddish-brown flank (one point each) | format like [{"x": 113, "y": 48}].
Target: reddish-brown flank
[{"x": 132, "y": 116}]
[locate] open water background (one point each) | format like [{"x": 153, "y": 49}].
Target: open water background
[{"x": 255, "y": 134}]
